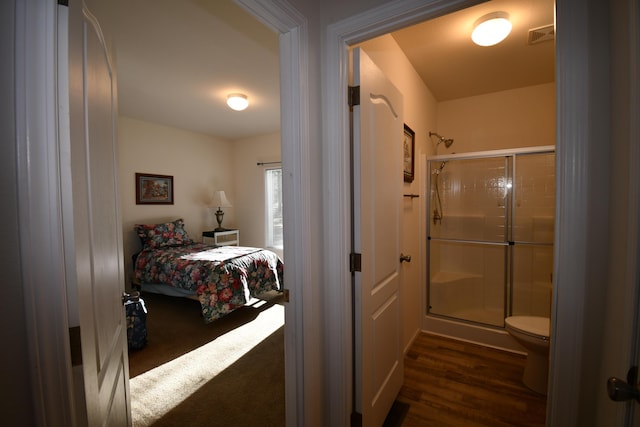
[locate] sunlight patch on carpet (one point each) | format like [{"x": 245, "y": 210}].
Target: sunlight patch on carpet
[{"x": 155, "y": 392}]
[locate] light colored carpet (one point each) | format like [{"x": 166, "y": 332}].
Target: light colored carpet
[{"x": 234, "y": 379}]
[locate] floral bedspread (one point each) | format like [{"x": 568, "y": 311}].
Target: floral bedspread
[{"x": 223, "y": 277}]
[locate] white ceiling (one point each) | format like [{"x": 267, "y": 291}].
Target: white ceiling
[
  {"x": 177, "y": 61},
  {"x": 452, "y": 66}
]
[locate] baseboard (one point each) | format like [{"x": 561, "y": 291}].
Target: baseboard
[{"x": 488, "y": 337}]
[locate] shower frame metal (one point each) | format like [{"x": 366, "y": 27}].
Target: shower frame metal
[{"x": 510, "y": 156}]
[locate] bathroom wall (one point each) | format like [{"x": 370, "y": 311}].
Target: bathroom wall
[{"x": 523, "y": 117}]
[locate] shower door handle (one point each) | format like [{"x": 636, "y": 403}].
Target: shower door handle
[{"x": 405, "y": 258}]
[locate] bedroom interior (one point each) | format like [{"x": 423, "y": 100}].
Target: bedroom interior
[
  {"x": 223, "y": 160},
  {"x": 206, "y": 148}
]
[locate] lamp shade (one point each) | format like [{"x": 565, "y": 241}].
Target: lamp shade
[
  {"x": 220, "y": 199},
  {"x": 491, "y": 29}
]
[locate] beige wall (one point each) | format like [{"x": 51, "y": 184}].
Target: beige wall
[
  {"x": 420, "y": 116},
  {"x": 523, "y": 117},
  {"x": 249, "y": 185},
  {"x": 199, "y": 164}
]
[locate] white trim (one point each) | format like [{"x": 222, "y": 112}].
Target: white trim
[
  {"x": 39, "y": 205},
  {"x": 469, "y": 332},
  {"x": 297, "y": 215},
  {"x": 268, "y": 200},
  {"x": 495, "y": 153},
  {"x": 581, "y": 113},
  {"x": 337, "y": 245},
  {"x": 336, "y": 180}
]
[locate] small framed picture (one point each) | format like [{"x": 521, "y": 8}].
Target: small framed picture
[
  {"x": 154, "y": 189},
  {"x": 409, "y": 152}
]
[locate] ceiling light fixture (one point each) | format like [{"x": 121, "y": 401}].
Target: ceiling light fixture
[
  {"x": 237, "y": 101},
  {"x": 491, "y": 29}
]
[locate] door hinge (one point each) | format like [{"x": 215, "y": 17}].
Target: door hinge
[
  {"x": 75, "y": 345},
  {"x": 63, "y": 3},
  {"x": 355, "y": 262},
  {"x": 354, "y": 95}
]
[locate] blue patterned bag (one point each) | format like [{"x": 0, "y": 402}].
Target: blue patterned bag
[{"x": 136, "y": 323}]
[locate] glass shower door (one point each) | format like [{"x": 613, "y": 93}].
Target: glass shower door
[
  {"x": 468, "y": 243},
  {"x": 533, "y": 234}
]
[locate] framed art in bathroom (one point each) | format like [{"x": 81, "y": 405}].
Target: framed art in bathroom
[
  {"x": 154, "y": 189},
  {"x": 409, "y": 143}
]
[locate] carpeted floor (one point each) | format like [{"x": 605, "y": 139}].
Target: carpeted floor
[{"x": 229, "y": 372}]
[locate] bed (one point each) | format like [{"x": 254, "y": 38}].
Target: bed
[{"x": 222, "y": 278}]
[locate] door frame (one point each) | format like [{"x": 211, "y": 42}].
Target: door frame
[
  {"x": 40, "y": 206},
  {"x": 295, "y": 148}
]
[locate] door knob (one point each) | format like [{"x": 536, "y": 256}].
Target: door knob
[
  {"x": 620, "y": 390},
  {"x": 405, "y": 258}
]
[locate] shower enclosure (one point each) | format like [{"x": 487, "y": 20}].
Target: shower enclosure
[{"x": 490, "y": 235}]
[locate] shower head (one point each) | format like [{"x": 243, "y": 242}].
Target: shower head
[{"x": 441, "y": 139}]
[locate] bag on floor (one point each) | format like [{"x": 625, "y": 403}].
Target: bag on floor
[{"x": 136, "y": 322}]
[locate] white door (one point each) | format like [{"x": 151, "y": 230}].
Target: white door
[
  {"x": 378, "y": 177},
  {"x": 620, "y": 355},
  {"x": 92, "y": 221}
]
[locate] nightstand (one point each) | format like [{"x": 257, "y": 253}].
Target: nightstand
[{"x": 222, "y": 238}]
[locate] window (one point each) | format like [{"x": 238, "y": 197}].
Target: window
[{"x": 273, "y": 184}]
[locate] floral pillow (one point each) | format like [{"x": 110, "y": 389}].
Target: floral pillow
[{"x": 161, "y": 235}]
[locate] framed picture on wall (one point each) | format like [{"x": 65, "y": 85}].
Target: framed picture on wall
[
  {"x": 154, "y": 189},
  {"x": 409, "y": 152}
]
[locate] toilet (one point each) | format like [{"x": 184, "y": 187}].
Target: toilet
[{"x": 532, "y": 332}]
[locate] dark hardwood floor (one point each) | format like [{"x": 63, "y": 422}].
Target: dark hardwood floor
[{"x": 450, "y": 383}]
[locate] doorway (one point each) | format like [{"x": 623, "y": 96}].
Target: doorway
[
  {"x": 584, "y": 134},
  {"x": 343, "y": 34},
  {"x": 282, "y": 24}
]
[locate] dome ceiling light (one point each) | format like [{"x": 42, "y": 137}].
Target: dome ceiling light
[
  {"x": 237, "y": 101},
  {"x": 491, "y": 29}
]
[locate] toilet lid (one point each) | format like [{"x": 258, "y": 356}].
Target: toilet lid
[{"x": 532, "y": 325}]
